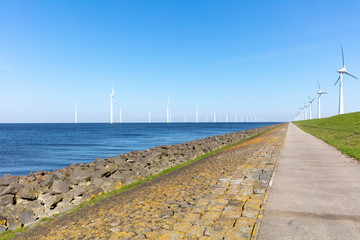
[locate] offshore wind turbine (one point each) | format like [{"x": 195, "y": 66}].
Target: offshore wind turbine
[
  {"x": 214, "y": 115},
  {"x": 167, "y": 111},
  {"x": 197, "y": 114},
  {"x": 341, "y": 71},
  {"x": 76, "y": 112},
  {"x": 111, "y": 106},
  {"x": 319, "y": 93},
  {"x": 120, "y": 115},
  {"x": 310, "y": 101},
  {"x": 149, "y": 117}
]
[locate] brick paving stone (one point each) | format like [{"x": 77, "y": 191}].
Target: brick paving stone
[{"x": 218, "y": 197}]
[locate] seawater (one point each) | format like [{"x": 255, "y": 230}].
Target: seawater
[{"x": 26, "y": 148}]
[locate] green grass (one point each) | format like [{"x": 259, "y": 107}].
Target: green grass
[
  {"x": 12, "y": 233},
  {"x": 341, "y": 131}
]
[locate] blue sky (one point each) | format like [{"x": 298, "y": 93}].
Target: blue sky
[{"x": 244, "y": 57}]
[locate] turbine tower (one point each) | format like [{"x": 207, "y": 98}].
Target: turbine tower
[
  {"x": 214, "y": 115},
  {"x": 197, "y": 114},
  {"x": 111, "y": 106},
  {"x": 167, "y": 111},
  {"x": 341, "y": 71},
  {"x": 305, "y": 107},
  {"x": 310, "y": 101},
  {"x": 319, "y": 93},
  {"x": 76, "y": 112},
  {"x": 227, "y": 117},
  {"x": 149, "y": 117},
  {"x": 120, "y": 115}
]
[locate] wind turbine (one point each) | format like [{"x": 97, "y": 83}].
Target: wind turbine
[
  {"x": 120, "y": 115},
  {"x": 111, "y": 106},
  {"x": 197, "y": 114},
  {"x": 341, "y": 71},
  {"x": 76, "y": 112},
  {"x": 319, "y": 93},
  {"x": 227, "y": 117},
  {"x": 149, "y": 117},
  {"x": 305, "y": 107},
  {"x": 214, "y": 115},
  {"x": 167, "y": 111},
  {"x": 310, "y": 101}
]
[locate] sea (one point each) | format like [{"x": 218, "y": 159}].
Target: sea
[{"x": 26, "y": 148}]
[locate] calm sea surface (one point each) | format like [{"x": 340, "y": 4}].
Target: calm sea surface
[{"x": 26, "y": 148}]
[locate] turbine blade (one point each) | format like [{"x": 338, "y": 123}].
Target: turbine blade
[
  {"x": 309, "y": 97},
  {"x": 342, "y": 53},
  {"x": 337, "y": 81},
  {"x": 313, "y": 99},
  {"x": 318, "y": 84},
  {"x": 350, "y": 74},
  {"x": 324, "y": 93}
]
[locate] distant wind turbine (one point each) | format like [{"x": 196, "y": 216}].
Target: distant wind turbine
[
  {"x": 305, "y": 107},
  {"x": 76, "y": 113},
  {"x": 120, "y": 115},
  {"x": 214, "y": 115},
  {"x": 167, "y": 111},
  {"x": 310, "y": 101},
  {"x": 185, "y": 117},
  {"x": 149, "y": 117},
  {"x": 111, "y": 106},
  {"x": 197, "y": 114},
  {"x": 341, "y": 71},
  {"x": 319, "y": 93},
  {"x": 227, "y": 117}
]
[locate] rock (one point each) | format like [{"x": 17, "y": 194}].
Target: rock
[
  {"x": 6, "y": 199},
  {"x": 59, "y": 187},
  {"x": 27, "y": 192},
  {"x": 13, "y": 188},
  {"x": 25, "y": 216},
  {"x": 50, "y": 201},
  {"x": 49, "y": 180},
  {"x": 7, "y": 179},
  {"x": 78, "y": 191},
  {"x": 13, "y": 223},
  {"x": 3, "y": 224}
]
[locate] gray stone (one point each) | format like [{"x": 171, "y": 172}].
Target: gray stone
[
  {"x": 13, "y": 188},
  {"x": 50, "y": 201},
  {"x": 13, "y": 223},
  {"x": 27, "y": 192},
  {"x": 78, "y": 191},
  {"x": 7, "y": 179},
  {"x": 6, "y": 199},
  {"x": 59, "y": 187}
]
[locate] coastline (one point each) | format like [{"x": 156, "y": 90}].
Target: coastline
[{"x": 24, "y": 200}]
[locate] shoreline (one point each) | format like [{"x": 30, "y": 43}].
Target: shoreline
[{"x": 24, "y": 200}]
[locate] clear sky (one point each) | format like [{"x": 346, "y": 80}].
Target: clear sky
[{"x": 244, "y": 57}]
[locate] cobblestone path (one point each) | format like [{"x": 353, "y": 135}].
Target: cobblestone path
[{"x": 218, "y": 197}]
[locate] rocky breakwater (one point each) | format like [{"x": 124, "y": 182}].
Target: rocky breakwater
[{"x": 24, "y": 200}]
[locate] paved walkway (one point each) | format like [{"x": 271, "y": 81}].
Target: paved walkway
[
  {"x": 218, "y": 197},
  {"x": 315, "y": 193}
]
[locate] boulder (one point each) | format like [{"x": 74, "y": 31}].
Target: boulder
[
  {"x": 3, "y": 224},
  {"x": 27, "y": 192},
  {"x": 6, "y": 199},
  {"x": 13, "y": 188},
  {"x": 7, "y": 179},
  {"x": 50, "y": 201},
  {"x": 59, "y": 187}
]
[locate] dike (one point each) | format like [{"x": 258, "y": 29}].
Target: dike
[{"x": 25, "y": 200}]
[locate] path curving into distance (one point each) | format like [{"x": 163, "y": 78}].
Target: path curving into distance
[
  {"x": 315, "y": 193},
  {"x": 217, "y": 197}
]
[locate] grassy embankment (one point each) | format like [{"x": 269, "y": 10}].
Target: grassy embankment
[
  {"x": 12, "y": 233},
  {"x": 341, "y": 131}
]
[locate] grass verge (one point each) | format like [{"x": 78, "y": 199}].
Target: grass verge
[
  {"x": 12, "y": 233},
  {"x": 341, "y": 131}
]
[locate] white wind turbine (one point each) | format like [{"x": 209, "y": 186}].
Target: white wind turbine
[
  {"x": 214, "y": 115},
  {"x": 305, "y": 107},
  {"x": 197, "y": 114},
  {"x": 310, "y": 101},
  {"x": 319, "y": 93},
  {"x": 111, "y": 106},
  {"x": 167, "y": 111},
  {"x": 76, "y": 112},
  {"x": 341, "y": 71}
]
